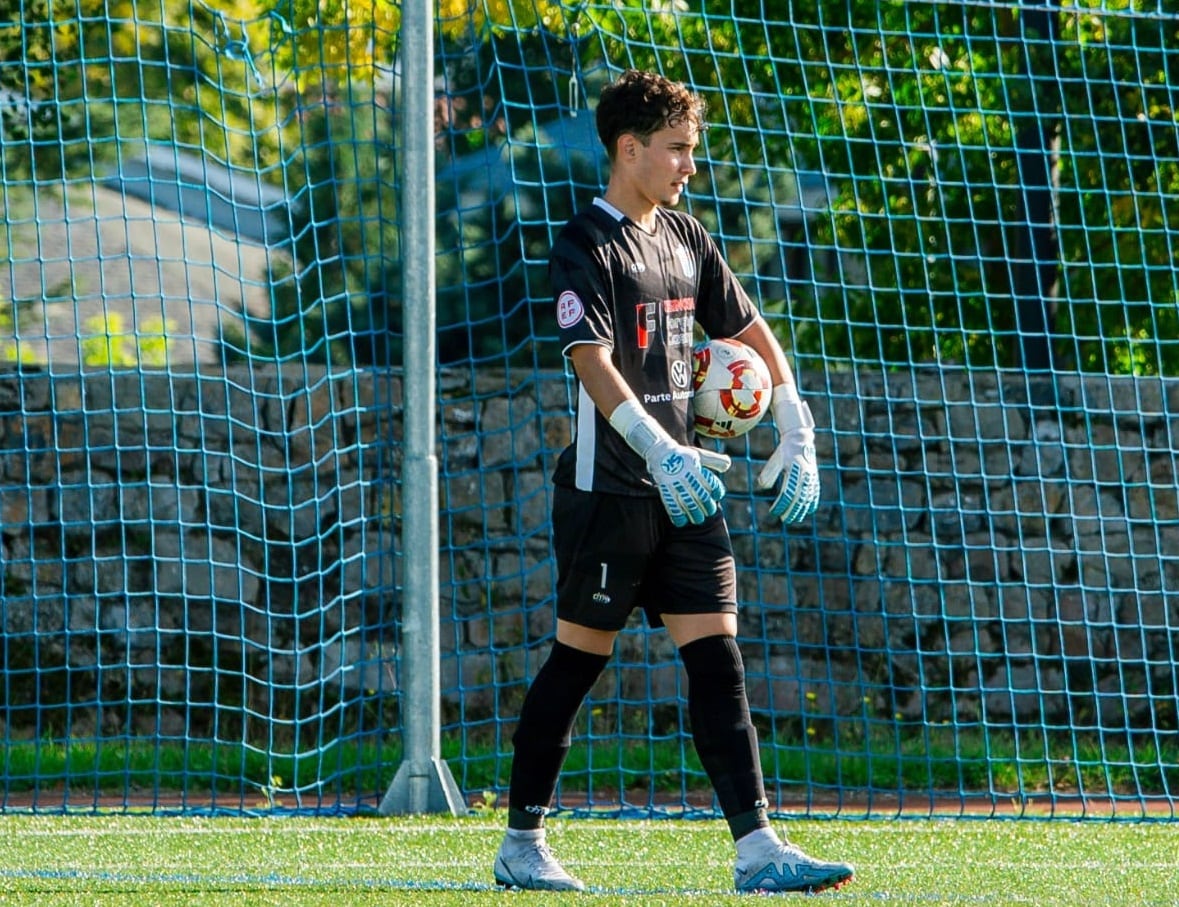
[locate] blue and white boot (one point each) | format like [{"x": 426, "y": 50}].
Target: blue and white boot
[{"x": 767, "y": 864}]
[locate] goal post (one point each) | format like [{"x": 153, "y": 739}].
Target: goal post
[
  {"x": 281, "y": 394},
  {"x": 423, "y": 782}
]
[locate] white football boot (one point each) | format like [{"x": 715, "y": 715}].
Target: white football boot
[
  {"x": 767, "y": 864},
  {"x": 527, "y": 863}
]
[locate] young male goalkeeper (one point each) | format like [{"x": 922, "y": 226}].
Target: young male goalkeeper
[{"x": 636, "y": 518}]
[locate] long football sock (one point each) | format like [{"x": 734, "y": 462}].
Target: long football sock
[
  {"x": 543, "y": 733},
  {"x": 723, "y": 730}
]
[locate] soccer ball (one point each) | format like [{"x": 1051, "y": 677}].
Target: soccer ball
[{"x": 731, "y": 388}]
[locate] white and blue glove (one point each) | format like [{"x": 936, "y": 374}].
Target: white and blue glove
[
  {"x": 793, "y": 461},
  {"x": 685, "y": 476}
]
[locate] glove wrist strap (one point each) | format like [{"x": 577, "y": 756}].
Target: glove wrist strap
[
  {"x": 792, "y": 414},
  {"x": 637, "y": 427}
]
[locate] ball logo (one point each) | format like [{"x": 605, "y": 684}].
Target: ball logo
[
  {"x": 731, "y": 388},
  {"x": 569, "y": 309}
]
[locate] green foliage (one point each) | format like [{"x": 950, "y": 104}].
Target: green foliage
[
  {"x": 107, "y": 343},
  {"x": 12, "y": 351},
  {"x": 928, "y": 123},
  {"x": 885, "y": 756},
  {"x": 914, "y": 112},
  {"x": 45, "y": 122},
  {"x": 532, "y": 169},
  {"x": 335, "y": 299}
]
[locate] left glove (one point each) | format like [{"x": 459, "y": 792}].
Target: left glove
[
  {"x": 792, "y": 464},
  {"x": 685, "y": 476}
]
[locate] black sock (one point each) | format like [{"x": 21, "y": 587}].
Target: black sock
[
  {"x": 723, "y": 730},
  {"x": 543, "y": 733}
]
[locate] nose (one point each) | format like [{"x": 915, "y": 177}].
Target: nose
[{"x": 688, "y": 165}]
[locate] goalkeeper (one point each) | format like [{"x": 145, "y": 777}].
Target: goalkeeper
[{"x": 636, "y": 519}]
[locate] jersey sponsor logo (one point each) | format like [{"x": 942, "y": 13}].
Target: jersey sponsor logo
[
  {"x": 569, "y": 309},
  {"x": 647, "y": 320},
  {"x": 666, "y": 397},
  {"x": 647, "y": 325},
  {"x": 681, "y": 373}
]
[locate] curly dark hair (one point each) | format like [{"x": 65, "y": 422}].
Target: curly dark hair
[{"x": 642, "y": 103}]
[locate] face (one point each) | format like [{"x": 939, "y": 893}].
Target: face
[{"x": 661, "y": 168}]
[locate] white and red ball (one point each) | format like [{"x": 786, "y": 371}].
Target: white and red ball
[{"x": 731, "y": 388}]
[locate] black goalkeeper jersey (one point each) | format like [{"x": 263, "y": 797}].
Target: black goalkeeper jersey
[{"x": 640, "y": 295}]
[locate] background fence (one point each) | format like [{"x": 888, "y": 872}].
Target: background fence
[{"x": 960, "y": 217}]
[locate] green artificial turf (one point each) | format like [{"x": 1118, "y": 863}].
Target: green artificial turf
[{"x": 354, "y": 862}]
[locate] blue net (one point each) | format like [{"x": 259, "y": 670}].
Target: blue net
[{"x": 960, "y": 219}]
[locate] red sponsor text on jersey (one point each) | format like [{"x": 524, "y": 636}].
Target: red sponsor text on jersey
[{"x": 648, "y": 324}]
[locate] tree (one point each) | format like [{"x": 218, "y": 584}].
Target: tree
[
  {"x": 914, "y": 112},
  {"x": 335, "y": 298},
  {"x": 44, "y": 120}
]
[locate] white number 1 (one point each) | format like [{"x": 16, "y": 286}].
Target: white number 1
[{"x": 603, "y": 574}]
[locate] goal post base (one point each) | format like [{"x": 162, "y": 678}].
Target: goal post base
[{"x": 419, "y": 788}]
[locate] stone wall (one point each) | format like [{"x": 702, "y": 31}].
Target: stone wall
[
  {"x": 986, "y": 550},
  {"x": 193, "y": 555}
]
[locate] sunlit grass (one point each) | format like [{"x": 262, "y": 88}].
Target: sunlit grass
[{"x": 447, "y": 861}]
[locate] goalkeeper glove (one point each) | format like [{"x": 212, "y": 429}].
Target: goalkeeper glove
[
  {"x": 793, "y": 461},
  {"x": 685, "y": 476}
]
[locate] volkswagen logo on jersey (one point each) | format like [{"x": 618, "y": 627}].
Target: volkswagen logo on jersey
[{"x": 681, "y": 374}]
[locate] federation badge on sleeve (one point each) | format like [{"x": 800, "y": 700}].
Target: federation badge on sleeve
[{"x": 569, "y": 309}]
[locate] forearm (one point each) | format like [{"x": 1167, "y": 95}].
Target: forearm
[
  {"x": 599, "y": 378},
  {"x": 761, "y": 338}
]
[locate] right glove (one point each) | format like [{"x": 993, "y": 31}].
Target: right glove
[
  {"x": 685, "y": 476},
  {"x": 793, "y": 461}
]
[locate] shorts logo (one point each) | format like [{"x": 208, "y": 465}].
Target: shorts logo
[
  {"x": 569, "y": 309},
  {"x": 601, "y": 598}
]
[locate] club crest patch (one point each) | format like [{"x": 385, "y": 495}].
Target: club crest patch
[{"x": 569, "y": 309}]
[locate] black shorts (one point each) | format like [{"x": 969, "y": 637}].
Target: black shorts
[{"x": 617, "y": 553}]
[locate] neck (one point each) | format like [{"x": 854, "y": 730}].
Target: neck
[{"x": 635, "y": 206}]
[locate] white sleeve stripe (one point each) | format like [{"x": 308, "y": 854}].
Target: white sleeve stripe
[
  {"x": 569, "y": 346},
  {"x": 585, "y": 442}
]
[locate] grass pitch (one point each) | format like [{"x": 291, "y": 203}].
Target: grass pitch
[{"x": 139, "y": 860}]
